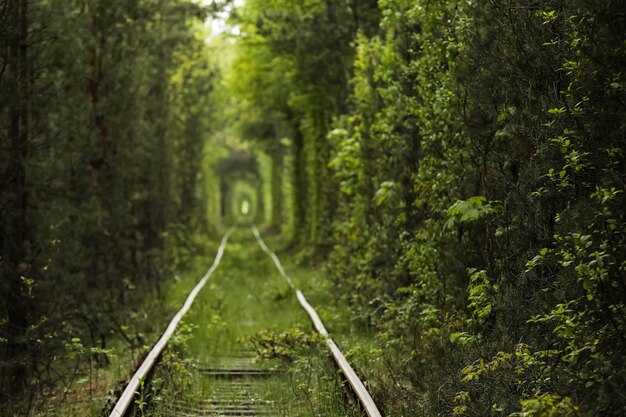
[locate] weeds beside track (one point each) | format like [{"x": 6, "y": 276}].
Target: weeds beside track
[{"x": 245, "y": 348}]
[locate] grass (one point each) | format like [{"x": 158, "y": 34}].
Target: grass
[
  {"x": 92, "y": 387},
  {"x": 247, "y": 300},
  {"x": 362, "y": 348}
]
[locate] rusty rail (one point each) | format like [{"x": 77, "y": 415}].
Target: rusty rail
[
  {"x": 126, "y": 399},
  {"x": 355, "y": 382}
]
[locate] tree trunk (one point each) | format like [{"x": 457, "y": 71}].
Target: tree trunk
[
  {"x": 277, "y": 188},
  {"x": 99, "y": 154},
  {"x": 15, "y": 233},
  {"x": 300, "y": 188}
]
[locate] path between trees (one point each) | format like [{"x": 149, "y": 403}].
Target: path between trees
[{"x": 245, "y": 347}]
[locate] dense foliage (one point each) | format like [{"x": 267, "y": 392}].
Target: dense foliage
[
  {"x": 467, "y": 182},
  {"x": 457, "y": 167},
  {"x": 104, "y": 110}
]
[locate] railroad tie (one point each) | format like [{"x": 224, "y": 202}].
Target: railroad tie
[{"x": 236, "y": 389}]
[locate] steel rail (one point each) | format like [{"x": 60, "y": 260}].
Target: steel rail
[
  {"x": 353, "y": 379},
  {"x": 126, "y": 399}
]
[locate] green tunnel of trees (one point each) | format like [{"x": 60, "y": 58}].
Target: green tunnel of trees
[
  {"x": 239, "y": 181},
  {"x": 456, "y": 168}
]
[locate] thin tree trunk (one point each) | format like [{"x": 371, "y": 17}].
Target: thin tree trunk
[
  {"x": 99, "y": 156},
  {"x": 300, "y": 188},
  {"x": 15, "y": 263},
  {"x": 277, "y": 188}
]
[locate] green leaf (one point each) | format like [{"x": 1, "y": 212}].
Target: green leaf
[{"x": 557, "y": 110}]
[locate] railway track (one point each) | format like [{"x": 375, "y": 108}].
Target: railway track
[{"x": 236, "y": 384}]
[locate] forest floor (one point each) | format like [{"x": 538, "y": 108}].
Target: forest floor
[{"x": 247, "y": 316}]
